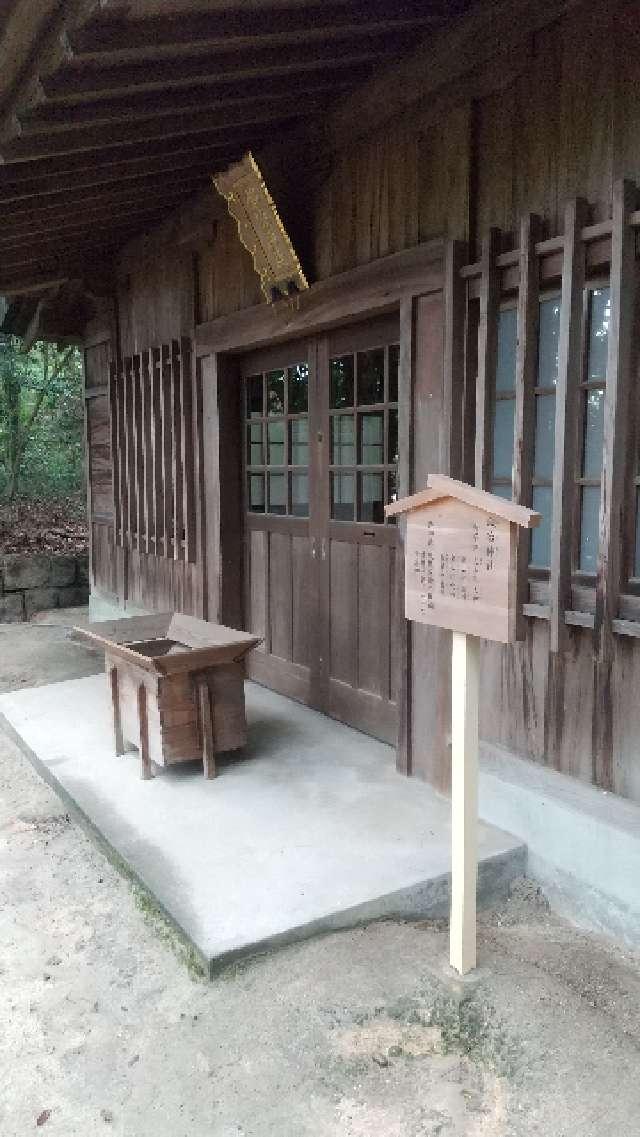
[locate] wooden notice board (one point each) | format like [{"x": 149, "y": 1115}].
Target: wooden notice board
[
  {"x": 460, "y": 558},
  {"x": 461, "y": 546},
  {"x": 459, "y": 570}
]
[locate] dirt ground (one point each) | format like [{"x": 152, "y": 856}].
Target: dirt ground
[{"x": 105, "y": 1029}]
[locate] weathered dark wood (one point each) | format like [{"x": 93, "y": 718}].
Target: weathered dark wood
[
  {"x": 524, "y": 419},
  {"x": 143, "y": 720},
  {"x": 205, "y": 716},
  {"x": 214, "y": 29},
  {"x": 487, "y": 356},
  {"x": 617, "y": 467},
  {"x": 569, "y": 365},
  {"x": 406, "y": 371},
  {"x": 118, "y": 739},
  {"x": 94, "y": 138},
  {"x": 227, "y": 62},
  {"x": 363, "y": 291}
]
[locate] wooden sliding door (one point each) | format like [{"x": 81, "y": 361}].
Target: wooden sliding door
[
  {"x": 359, "y": 427},
  {"x": 320, "y": 429}
]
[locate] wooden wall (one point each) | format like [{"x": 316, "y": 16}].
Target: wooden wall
[{"x": 549, "y": 111}]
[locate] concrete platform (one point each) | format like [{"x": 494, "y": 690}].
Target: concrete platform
[{"x": 308, "y": 829}]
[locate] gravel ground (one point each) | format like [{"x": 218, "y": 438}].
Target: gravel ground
[{"x": 107, "y": 1029}]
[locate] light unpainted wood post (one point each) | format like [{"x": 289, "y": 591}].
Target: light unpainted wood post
[
  {"x": 143, "y": 719},
  {"x": 118, "y": 739},
  {"x": 465, "y": 677}
]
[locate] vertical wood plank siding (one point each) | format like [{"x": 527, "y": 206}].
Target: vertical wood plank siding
[
  {"x": 151, "y": 396},
  {"x": 487, "y": 355},
  {"x": 524, "y": 132},
  {"x": 569, "y": 365}
]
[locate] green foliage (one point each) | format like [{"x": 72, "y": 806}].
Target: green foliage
[{"x": 41, "y": 420}]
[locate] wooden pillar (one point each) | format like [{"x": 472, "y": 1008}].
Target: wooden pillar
[
  {"x": 222, "y": 458},
  {"x": 118, "y": 740},
  {"x": 143, "y": 721},
  {"x": 205, "y": 714},
  {"x": 569, "y": 364},
  {"x": 487, "y": 355},
  {"x": 465, "y": 680}
]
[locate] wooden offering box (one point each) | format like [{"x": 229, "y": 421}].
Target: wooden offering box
[{"x": 177, "y": 687}]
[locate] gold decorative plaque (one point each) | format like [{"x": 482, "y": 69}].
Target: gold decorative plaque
[{"x": 261, "y": 230}]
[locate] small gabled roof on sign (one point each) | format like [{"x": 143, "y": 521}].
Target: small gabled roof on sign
[{"x": 439, "y": 487}]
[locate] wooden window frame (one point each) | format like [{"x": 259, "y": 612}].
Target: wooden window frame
[
  {"x": 582, "y": 580},
  {"x": 541, "y": 572}
]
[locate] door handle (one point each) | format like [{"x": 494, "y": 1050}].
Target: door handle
[
  {"x": 323, "y": 553},
  {"x": 313, "y": 548}
]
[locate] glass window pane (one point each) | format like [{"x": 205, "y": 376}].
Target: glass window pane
[
  {"x": 636, "y": 561},
  {"x": 275, "y": 392},
  {"x": 299, "y": 442},
  {"x": 341, "y": 382},
  {"x": 541, "y": 537},
  {"x": 298, "y": 388},
  {"x": 501, "y": 490},
  {"x": 392, "y": 441},
  {"x": 589, "y": 520},
  {"x": 371, "y": 376},
  {"x": 545, "y": 435},
  {"x": 255, "y": 491},
  {"x": 277, "y": 493},
  {"x": 599, "y": 319},
  {"x": 372, "y": 439},
  {"x": 300, "y": 495},
  {"x": 343, "y": 440},
  {"x": 275, "y": 437},
  {"x": 548, "y": 338},
  {"x": 394, "y": 359},
  {"x": 342, "y": 496},
  {"x": 507, "y": 338},
  {"x": 254, "y": 444},
  {"x": 254, "y": 396},
  {"x": 593, "y": 434},
  {"x": 371, "y": 505},
  {"x": 503, "y": 413}
]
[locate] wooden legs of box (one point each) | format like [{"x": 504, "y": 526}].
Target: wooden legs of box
[
  {"x": 205, "y": 716},
  {"x": 118, "y": 740},
  {"x": 143, "y": 718},
  {"x": 136, "y": 707},
  {"x": 465, "y": 677}
]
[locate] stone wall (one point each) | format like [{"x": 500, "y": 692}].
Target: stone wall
[{"x": 34, "y": 582}]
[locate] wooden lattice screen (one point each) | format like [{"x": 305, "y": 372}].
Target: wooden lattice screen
[{"x": 151, "y": 401}]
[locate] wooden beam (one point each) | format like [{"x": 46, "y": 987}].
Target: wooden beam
[
  {"x": 92, "y": 138},
  {"x": 118, "y": 178},
  {"x": 76, "y": 222},
  {"x": 85, "y": 245},
  {"x": 569, "y": 365},
  {"x": 78, "y": 80},
  {"x": 218, "y": 94},
  {"x": 616, "y": 466},
  {"x": 370, "y": 288},
  {"x": 107, "y": 33},
  {"x": 59, "y": 205},
  {"x": 524, "y": 424},
  {"x": 193, "y": 147},
  {"x": 487, "y": 357}
]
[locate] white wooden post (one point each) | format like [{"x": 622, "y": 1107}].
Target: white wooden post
[{"x": 465, "y": 679}]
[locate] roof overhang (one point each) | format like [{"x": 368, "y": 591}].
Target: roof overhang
[{"x": 112, "y": 114}]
